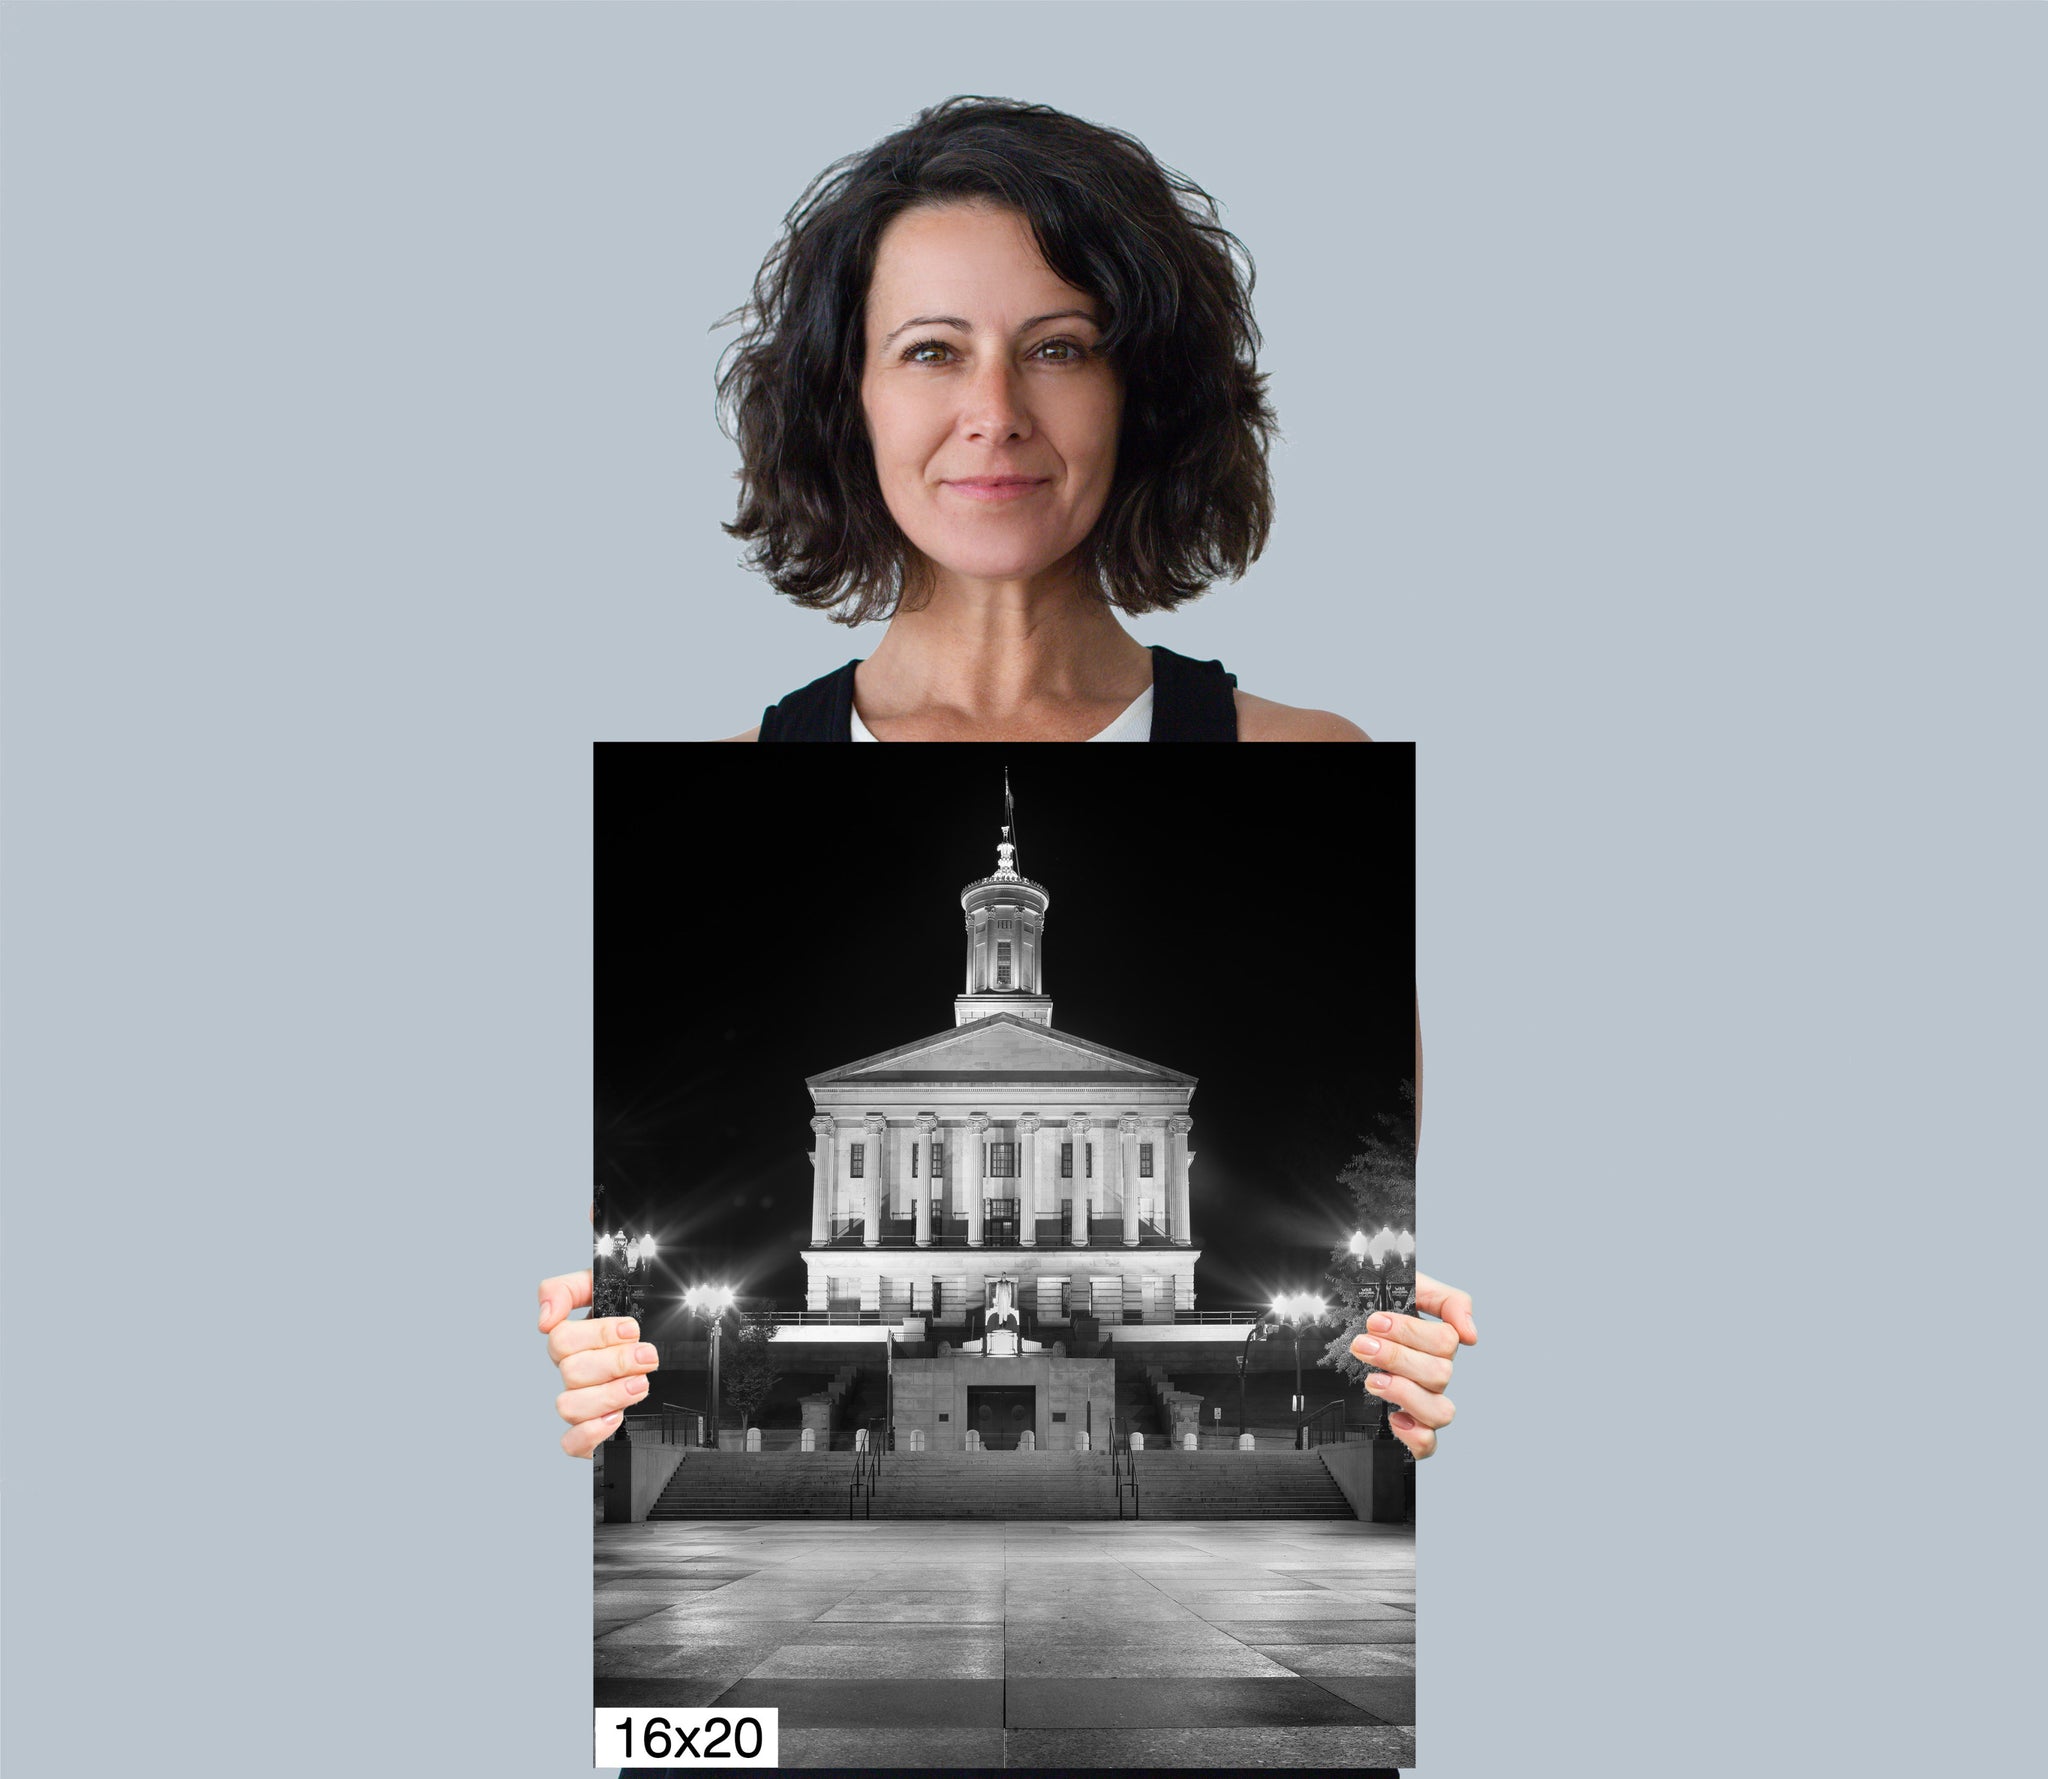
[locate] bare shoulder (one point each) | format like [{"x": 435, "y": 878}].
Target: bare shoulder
[
  {"x": 1260, "y": 719},
  {"x": 753, "y": 734}
]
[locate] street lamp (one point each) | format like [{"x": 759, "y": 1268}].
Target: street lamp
[
  {"x": 710, "y": 1302},
  {"x": 1296, "y": 1313},
  {"x": 620, "y": 1274},
  {"x": 1376, "y": 1293},
  {"x": 1257, "y": 1331}
]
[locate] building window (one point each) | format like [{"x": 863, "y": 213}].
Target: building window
[
  {"x": 914, "y": 1147},
  {"x": 1002, "y": 1160},
  {"x": 1002, "y": 963},
  {"x": 938, "y": 1161},
  {"x": 1145, "y": 1160},
  {"x": 1067, "y": 1160},
  {"x": 856, "y": 1163}
]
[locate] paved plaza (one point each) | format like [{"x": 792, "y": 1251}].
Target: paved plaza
[{"x": 965, "y": 1643}]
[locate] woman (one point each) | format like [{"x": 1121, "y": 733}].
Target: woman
[{"x": 996, "y": 384}]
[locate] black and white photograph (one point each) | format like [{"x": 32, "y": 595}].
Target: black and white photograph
[{"x": 1001, "y": 1148}]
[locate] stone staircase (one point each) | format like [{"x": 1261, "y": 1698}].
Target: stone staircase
[
  {"x": 1176, "y": 1485},
  {"x": 996, "y": 1486},
  {"x": 716, "y": 1485},
  {"x": 722, "y": 1485}
]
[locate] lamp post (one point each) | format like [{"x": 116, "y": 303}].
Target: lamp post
[
  {"x": 1374, "y": 1294},
  {"x": 1295, "y": 1313},
  {"x": 710, "y": 1302},
  {"x": 1257, "y": 1331}
]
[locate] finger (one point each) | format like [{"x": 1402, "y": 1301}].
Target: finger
[
  {"x": 580, "y": 1441},
  {"x": 1431, "y": 1372},
  {"x": 1426, "y": 1406},
  {"x": 1419, "y": 1440},
  {"x": 558, "y": 1296},
  {"x": 603, "y": 1365},
  {"x": 589, "y": 1333},
  {"x": 1412, "y": 1332},
  {"x": 578, "y": 1406},
  {"x": 1435, "y": 1298}
]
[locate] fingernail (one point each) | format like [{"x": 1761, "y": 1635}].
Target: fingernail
[
  {"x": 617, "y": 1414},
  {"x": 1375, "y": 1380},
  {"x": 636, "y": 1386},
  {"x": 644, "y": 1354},
  {"x": 629, "y": 1329},
  {"x": 1364, "y": 1345},
  {"x": 1381, "y": 1324}
]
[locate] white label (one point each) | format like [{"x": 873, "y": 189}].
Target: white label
[{"x": 685, "y": 1736}]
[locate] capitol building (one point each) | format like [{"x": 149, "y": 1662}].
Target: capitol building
[{"x": 999, "y": 1200}]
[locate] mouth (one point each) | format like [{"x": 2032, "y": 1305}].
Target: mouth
[{"x": 997, "y": 487}]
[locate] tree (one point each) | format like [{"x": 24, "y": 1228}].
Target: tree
[
  {"x": 1381, "y": 1181},
  {"x": 747, "y": 1377}
]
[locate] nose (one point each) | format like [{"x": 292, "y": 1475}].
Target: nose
[{"x": 994, "y": 411}]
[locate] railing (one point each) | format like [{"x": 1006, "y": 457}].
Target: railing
[
  {"x": 1317, "y": 1429},
  {"x": 867, "y": 1470},
  {"x": 667, "y": 1423},
  {"x": 1242, "y": 1318},
  {"x": 1123, "y": 1468}
]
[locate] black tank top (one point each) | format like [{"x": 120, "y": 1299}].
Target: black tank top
[{"x": 1191, "y": 701}]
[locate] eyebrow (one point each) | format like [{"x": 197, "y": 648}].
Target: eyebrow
[{"x": 967, "y": 327}]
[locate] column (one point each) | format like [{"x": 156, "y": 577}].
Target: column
[
  {"x": 1127, "y": 1150},
  {"x": 1165, "y": 1212},
  {"x": 923, "y": 1182},
  {"x": 1027, "y": 1180},
  {"x": 1177, "y": 1176},
  {"x": 1077, "y": 1135},
  {"x": 821, "y": 1182},
  {"x": 975, "y": 1183},
  {"x": 873, "y": 1198}
]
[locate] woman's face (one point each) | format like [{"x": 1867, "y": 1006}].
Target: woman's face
[{"x": 992, "y": 414}]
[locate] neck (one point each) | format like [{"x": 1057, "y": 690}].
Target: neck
[{"x": 1014, "y": 656}]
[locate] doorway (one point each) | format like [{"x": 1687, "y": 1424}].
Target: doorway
[{"x": 999, "y": 1413}]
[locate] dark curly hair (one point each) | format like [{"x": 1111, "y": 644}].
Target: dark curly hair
[{"x": 1191, "y": 500}]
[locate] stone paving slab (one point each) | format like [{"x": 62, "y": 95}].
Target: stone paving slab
[
  {"x": 985, "y": 1643},
  {"x": 1387, "y": 1696},
  {"x": 1128, "y": 1660},
  {"x": 1245, "y": 1749},
  {"x": 873, "y": 1704},
  {"x": 1346, "y": 1659},
  {"x": 1159, "y": 1703},
  {"x": 1397, "y": 1629},
  {"x": 883, "y": 1659},
  {"x": 855, "y": 1750}
]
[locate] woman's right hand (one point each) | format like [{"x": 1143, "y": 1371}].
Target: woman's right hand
[{"x": 604, "y": 1363}]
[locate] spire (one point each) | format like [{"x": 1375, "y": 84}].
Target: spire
[
  {"x": 1009, "y": 813},
  {"x": 1006, "y": 849},
  {"x": 1005, "y": 920}
]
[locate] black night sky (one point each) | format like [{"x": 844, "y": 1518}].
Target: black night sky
[{"x": 1245, "y": 915}]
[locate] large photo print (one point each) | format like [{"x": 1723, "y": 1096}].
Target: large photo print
[{"x": 1001, "y": 1146}]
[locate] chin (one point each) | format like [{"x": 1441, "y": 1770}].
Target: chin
[{"x": 984, "y": 560}]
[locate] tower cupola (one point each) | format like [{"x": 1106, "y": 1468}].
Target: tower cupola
[{"x": 1005, "y": 920}]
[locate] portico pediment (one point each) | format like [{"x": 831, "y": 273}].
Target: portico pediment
[{"x": 1001, "y": 1047}]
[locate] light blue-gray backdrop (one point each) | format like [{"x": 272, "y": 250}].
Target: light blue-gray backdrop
[{"x": 1663, "y": 394}]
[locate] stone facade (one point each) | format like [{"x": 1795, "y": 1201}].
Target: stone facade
[
  {"x": 1001, "y": 1147},
  {"x": 1069, "y": 1396}
]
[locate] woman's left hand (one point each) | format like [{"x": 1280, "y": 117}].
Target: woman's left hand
[{"x": 1413, "y": 1358}]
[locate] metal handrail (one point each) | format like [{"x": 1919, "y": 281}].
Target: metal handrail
[
  {"x": 665, "y": 1414},
  {"x": 867, "y": 1470},
  {"x": 1315, "y": 1428},
  {"x": 1123, "y": 1466}
]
